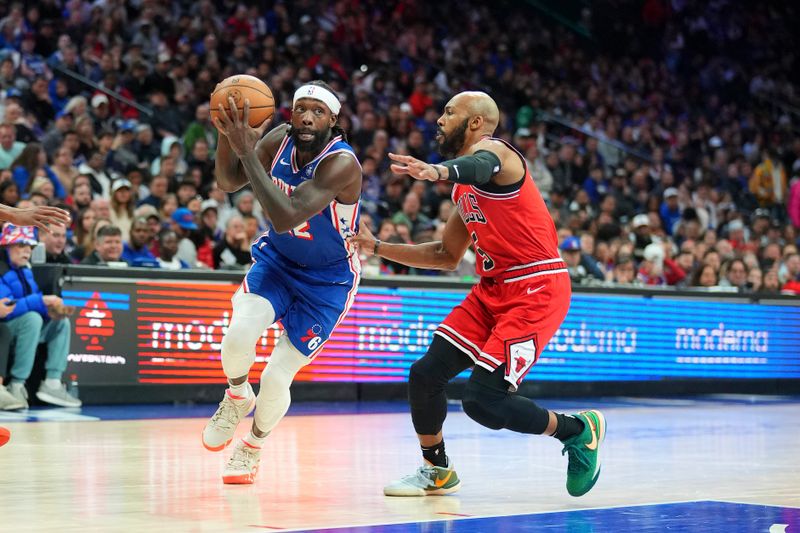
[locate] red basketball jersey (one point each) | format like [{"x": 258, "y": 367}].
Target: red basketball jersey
[{"x": 510, "y": 230}]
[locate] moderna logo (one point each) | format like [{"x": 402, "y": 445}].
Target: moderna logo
[{"x": 95, "y": 322}]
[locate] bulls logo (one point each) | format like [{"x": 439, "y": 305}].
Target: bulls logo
[{"x": 95, "y": 323}]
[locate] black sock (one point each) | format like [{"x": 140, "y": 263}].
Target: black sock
[
  {"x": 567, "y": 426},
  {"x": 435, "y": 454}
]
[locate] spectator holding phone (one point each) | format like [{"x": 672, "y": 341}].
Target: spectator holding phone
[{"x": 36, "y": 318}]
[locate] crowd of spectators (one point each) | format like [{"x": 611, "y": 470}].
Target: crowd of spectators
[{"x": 666, "y": 148}]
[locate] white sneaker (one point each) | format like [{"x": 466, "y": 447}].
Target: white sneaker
[
  {"x": 428, "y": 480},
  {"x": 57, "y": 395},
  {"x": 219, "y": 431},
  {"x": 20, "y": 393},
  {"x": 9, "y": 402},
  {"x": 242, "y": 467}
]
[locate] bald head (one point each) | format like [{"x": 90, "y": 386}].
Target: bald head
[{"x": 478, "y": 104}]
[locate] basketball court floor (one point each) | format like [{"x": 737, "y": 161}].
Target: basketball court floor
[{"x": 706, "y": 464}]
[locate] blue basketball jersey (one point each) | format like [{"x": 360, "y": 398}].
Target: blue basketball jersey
[{"x": 320, "y": 241}]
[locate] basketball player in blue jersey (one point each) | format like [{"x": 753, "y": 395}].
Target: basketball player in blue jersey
[{"x": 305, "y": 272}]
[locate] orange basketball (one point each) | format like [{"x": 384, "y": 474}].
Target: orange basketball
[
  {"x": 5, "y": 435},
  {"x": 242, "y": 87}
]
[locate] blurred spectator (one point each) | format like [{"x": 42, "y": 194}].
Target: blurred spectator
[
  {"x": 10, "y": 148},
  {"x": 35, "y": 319},
  {"x": 55, "y": 241},
  {"x": 411, "y": 215},
  {"x": 734, "y": 274},
  {"x": 136, "y": 250},
  {"x": 64, "y": 169},
  {"x": 29, "y": 164},
  {"x": 705, "y": 276},
  {"x": 624, "y": 272},
  {"x": 233, "y": 251},
  {"x": 122, "y": 205},
  {"x": 768, "y": 183},
  {"x": 200, "y": 128},
  {"x": 107, "y": 247},
  {"x": 182, "y": 223},
  {"x": 168, "y": 247}
]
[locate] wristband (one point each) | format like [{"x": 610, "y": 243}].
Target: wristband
[{"x": 377, "y": 244}]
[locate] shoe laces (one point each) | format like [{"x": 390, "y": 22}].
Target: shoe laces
[
  {"x": 243, "y": 457},
  {"x": 578, "y": 461},
  {"x": 421, "y": 477},
  {"x": 227, "y": 416}
]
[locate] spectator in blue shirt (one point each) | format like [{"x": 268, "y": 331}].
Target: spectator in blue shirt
[
  {"x": 36, "y": 319},
  {"x": 670, "y": 210},
  {"x": 136, "y": 250}
]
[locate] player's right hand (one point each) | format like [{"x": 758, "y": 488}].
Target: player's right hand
[
  {"x": 419, "y": 170},
  {"x": 365, "y": 240}
]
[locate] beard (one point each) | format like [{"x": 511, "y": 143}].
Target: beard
[
  {"x": 313, "y": 146},
  {"x": 451, "y": 144}
]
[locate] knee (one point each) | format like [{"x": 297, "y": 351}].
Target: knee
[
  {"x": 31, "y": 320},
  {"x": 484, "y": 405},
  {"x": 425, "y": 375}
]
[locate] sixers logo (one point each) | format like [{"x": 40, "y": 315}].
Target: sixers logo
[
  {"x": 312, "y": 337},
  {"x": 95, "y": 323}
]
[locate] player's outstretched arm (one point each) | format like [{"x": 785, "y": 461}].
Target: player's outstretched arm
[
  {"x": 228, "y": 167},
  {"x": 40, "y": 216},
  {"x": 441, "y": 255}
]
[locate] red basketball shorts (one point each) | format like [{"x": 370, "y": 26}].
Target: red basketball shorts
[{"x": 509, "y": 323}]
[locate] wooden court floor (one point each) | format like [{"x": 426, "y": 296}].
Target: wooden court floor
[{"x": 327, "y": 471}]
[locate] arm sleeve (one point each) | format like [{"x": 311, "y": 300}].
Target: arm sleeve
[{"x": 474, "y": 169}]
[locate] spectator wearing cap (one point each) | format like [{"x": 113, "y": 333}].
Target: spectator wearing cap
[
  {"x": 107, "y": 247},
  {"x": 101, "y": 113},
  {"x": 159, "y": 80},
  {"x": 136, "y": 250},
  {"x": 10, "y": 148},
  {"x": 642, "y": 235},
  {"x": 35, "y": 319},
  {"x": 233, "y": 251},
  {"x": 736, "y": 235},
  {"x": 165, "y": 120},
  {"x": 670, "y": 210},
  {"x": 182, "y": 222},
  {"x": 123, "y": 156},
  {"x": 651, "y": 269},
  {"x": 168, "y": 248},
  {"x": 209, "y": 220},
  {"x": 571, "y": 253},
  {"x": 122, "y": 205},
  {"x": 145, "y": 144}
]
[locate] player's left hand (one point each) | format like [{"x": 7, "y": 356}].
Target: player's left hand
[
  {"x": 241, "y": 136},
  {"x": 43, "y": 217},
  {"x": 365, "y": 240},
  {"x": 419, "y": 170}
]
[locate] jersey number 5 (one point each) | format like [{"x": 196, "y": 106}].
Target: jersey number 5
[
  {"x": 488, "y": 262},
  {"x": 303, "y": 231}
]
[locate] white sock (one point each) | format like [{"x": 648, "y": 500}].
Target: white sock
[
  {"x": 253, "y": 441},
  {"x": 241, "y": 390},
  {"x": 53, "y": 383}
]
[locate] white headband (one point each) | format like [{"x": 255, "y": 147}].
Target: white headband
[{"x": 318, "y": 93}]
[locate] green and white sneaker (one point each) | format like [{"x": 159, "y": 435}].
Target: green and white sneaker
[
  {"x": 583, "y": 448},
  {"x": 428, "y": 480}
]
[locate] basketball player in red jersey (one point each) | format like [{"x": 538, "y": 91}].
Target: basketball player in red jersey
[{"x": 507, "y": 319}]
